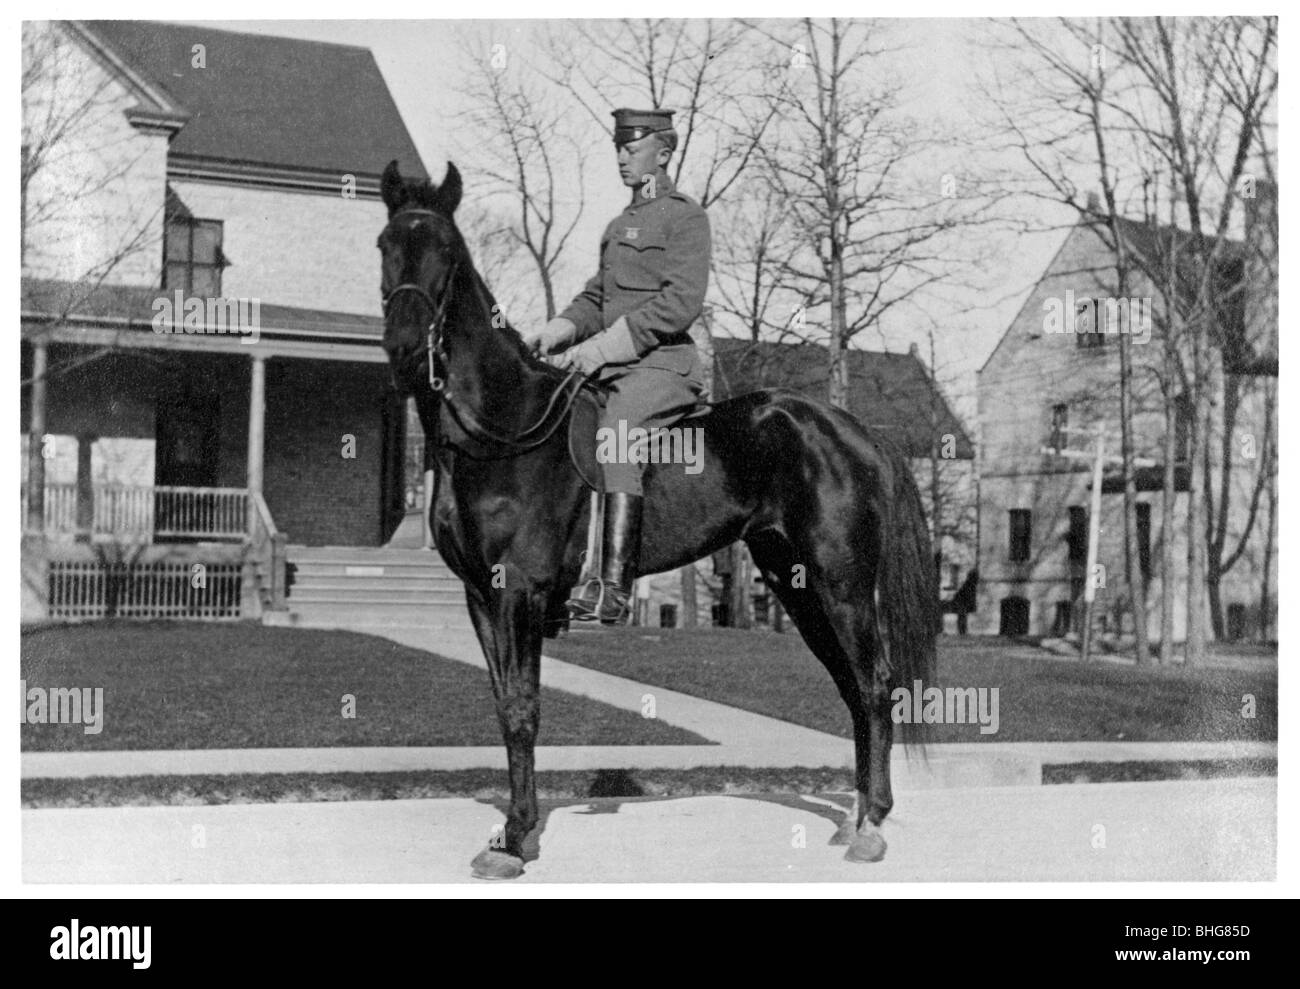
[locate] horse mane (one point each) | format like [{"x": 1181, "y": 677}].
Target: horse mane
[{"x": 424, "y": 195}]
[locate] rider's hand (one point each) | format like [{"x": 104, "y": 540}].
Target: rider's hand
[
  {"x": 611, "y": 346},
  {"x": 554, "y": 336}
]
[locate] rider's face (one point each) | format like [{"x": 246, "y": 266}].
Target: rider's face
[{"x": 640, "y": 158}]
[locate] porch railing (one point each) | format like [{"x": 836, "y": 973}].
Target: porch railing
[
  {"x": 146, "y": 513},
  {"x": 270, "y": 553},
  {"x": 244, "y": 578}
]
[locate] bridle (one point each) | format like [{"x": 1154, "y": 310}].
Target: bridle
[{"x": 433, "y": 349}]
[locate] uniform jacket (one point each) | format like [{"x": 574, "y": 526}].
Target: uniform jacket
[{"x": 654, "y": 270}]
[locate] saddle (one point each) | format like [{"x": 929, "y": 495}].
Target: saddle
[{"x": 584, "y": 421}]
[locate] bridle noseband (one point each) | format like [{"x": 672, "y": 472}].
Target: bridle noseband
[{"x": 433, "y": 348}]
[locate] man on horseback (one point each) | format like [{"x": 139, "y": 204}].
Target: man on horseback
[{"x": 631, "y": 321}]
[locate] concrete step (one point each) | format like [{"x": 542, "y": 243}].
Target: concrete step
[
  {"x": 371, "y": 571},
  {"x": 368, "y": 622},
  {"x": 362, "y": 554},
  {"x": 328, "y": 582},
  {"x": 377, "y": 587},
  {"x": 351, "y": 613},
  {"x": 364, "y": 595}
]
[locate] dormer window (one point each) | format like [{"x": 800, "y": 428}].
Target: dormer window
[{"x": 194, "y": 257}]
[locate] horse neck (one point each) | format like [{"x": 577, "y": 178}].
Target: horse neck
[{"x": 487, "y": 371}]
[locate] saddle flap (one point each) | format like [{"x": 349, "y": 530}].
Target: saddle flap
[{"x": 584, "y": 420}]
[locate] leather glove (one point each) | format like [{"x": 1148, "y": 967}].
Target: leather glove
[
  {"x": 611, "y": 346},
  {"x": 555, "y": 335}
]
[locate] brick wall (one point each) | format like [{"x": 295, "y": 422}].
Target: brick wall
[
  {"x": 316, "y": 495},
  {"x": 294, "y": 248}
]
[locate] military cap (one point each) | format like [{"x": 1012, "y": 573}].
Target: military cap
[{"x": 632, "y": 125}]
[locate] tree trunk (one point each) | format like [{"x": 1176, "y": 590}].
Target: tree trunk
[
  {"x": 738, "y": 606},
  {"x": 1168, "y": 498},
  {"x": 690, "y": 606},
  {"x": 1134, "y": 579},
  {"x": 1216, "y": 523},
  {"x": 1265, "y": 583},
  {"x": 1198, "y": 423}
]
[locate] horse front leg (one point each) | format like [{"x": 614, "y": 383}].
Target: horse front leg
[{"x": 509, "y": 628}]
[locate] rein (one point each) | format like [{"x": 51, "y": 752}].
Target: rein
[{"x": 433, "y": 349}]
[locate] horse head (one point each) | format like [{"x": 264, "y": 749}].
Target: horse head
[{"x": 421, "y": 249}]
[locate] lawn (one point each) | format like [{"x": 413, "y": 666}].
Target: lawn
[
  {"x": 1039, "y": 700},
  {"x": 191, "y": 686}
]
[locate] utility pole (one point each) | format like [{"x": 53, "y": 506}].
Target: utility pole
[{"x": 1099, "y": 460}]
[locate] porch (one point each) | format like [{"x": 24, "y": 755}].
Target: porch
[{"x": 164, "y": 473}]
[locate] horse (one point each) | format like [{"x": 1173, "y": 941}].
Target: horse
[{"x": 828, "y": 509}]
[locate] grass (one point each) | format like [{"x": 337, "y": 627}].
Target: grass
[
  {"x": 492, "y": 785},
  {"x": 1039, "y": 699},
  {"x": 191, "y": 686}
]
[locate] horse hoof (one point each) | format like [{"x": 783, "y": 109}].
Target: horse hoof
[
  {"x": 845, "y": 833},
  {"x": 867, "y": 846},
  {"x": 494, "y": 864}
]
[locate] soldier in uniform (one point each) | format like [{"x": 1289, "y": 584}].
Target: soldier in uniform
[{"x": 631, "y": 320}]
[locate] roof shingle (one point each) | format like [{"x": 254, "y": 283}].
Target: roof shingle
[{"x": 267, "y": 100}]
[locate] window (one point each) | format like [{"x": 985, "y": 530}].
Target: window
[
  {"x": 1077, "y": 540},
  {"x": 1060, "y": 427},
  {"x": 1089, "y": 319},
  {"x": 1061, "y": 623},
  {"x": 1020, "y": 528},
  {"x": 1014, "y": 617},
  {"x": 193, "y": 255},
  {"x": 1144, "y": 538}
]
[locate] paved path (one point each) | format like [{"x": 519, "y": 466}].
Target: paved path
[{"x": 1199, "y": 830}]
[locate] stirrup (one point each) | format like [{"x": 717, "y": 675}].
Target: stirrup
[{"x": 585, "y": 605}]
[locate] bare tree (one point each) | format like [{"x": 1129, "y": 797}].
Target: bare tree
[
  {"x": 1180, "y": 105},
  {"x": 851, "y": 166},
  {"x": 531, "y": 154},
  {"x": 75, "y": 155}
]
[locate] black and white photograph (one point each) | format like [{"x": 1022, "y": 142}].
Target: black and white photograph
[{"x": 772, "y": 452}]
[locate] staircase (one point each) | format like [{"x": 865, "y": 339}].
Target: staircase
[{"x": 354, "y": 587}]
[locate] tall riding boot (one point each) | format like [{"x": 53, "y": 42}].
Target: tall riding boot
[{"x": 607, "y": 599}]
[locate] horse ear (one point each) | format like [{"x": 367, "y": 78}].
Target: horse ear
[
  {"x": 450, "y": 191},
  {"x": 392, "y": 187}
]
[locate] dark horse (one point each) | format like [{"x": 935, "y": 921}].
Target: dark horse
[{"x": 831, "y": 515}]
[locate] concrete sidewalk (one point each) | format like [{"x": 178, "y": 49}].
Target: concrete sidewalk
[
  {"x": 1222, "y": 830},
  {"x": 975, "y": 764}
]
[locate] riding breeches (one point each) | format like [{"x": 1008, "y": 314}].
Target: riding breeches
[{"x": 643, "y": 399}]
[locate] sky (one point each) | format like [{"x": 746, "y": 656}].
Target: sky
[{"x": 420, "y": 60}]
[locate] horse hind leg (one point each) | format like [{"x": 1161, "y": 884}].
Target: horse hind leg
[{"x": 776, "y": 558}]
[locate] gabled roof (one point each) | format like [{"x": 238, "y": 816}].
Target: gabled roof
[
  {"x": 268, "y": 101},
  {"x": 889, "y": 392}
]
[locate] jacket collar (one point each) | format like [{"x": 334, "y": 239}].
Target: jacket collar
[{"x": 663, "y": 187}]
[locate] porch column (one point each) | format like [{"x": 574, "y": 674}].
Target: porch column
[
  {"x": 36, "y": 442},
  {"x": 256, "y": 423},
  {"x": 85, "y": 485}
]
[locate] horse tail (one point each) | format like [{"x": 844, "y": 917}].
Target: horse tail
[{"x": 908, "y": 594}]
